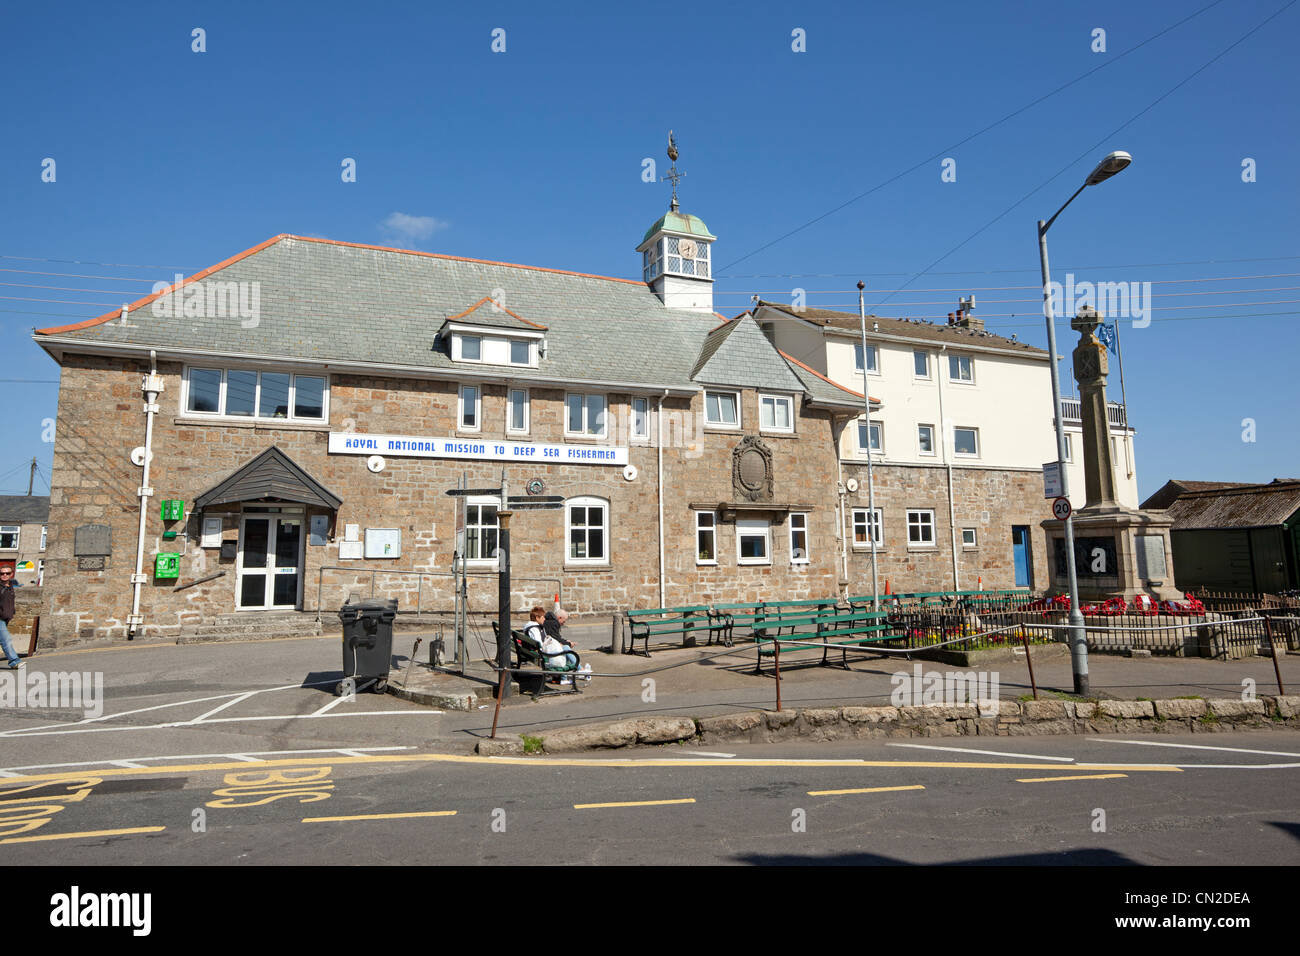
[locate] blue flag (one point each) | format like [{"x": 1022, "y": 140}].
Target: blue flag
[{"x": 1106, "y": 333}]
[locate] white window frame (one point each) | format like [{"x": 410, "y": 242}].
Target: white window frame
[
  {"x": 711, "y": 529},
  {"x": 669, "y": 249},
  {"x": 510, "y": 429},
  {"x": 774, "y": 398},
  {"x": 482, "y": 562},
  {"x": 974, "y": 541},
  {"x": 874, "y": 368},
  {"x": 970, "y": 367},
  {"x": 17, "y": 531},
  {"x": 478, "y": 408},
  {"x": 879, "y": 426},
  {"x": 644, "y": 434},
  {"x": 510, "y": 348},
  {"x": 857, "y": 518},
  {"x": 458, "y": 347},
  {"x": 733, "y": 426},
  {"x": 965, "y": 428},
  {"x": 928, "y": 366},
  {"x": 921, "y": 518},
  {"x": 920, "y": 448},
  {"x": 586, "y": 411},
  {"x": 45, "y": 533},
  {"x": 1069, "y": 448},
  {"x": 587, "y": 501},
  {"x": 807, "y": 545},
  {"x": 221, "y": 415},
  {"x": 749, "y": 528}
]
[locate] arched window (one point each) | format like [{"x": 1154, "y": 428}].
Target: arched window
[{"x": 586, "y": 527}]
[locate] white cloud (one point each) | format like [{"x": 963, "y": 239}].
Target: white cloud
[{"x": 400, "y": 226}]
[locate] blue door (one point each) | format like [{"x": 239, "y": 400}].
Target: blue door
[{"x": 1023, "y": 560}]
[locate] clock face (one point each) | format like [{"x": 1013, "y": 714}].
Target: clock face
[{"x": 687, "y": 248}]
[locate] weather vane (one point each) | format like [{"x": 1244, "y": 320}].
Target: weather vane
[{"x": 673, "y": 174}]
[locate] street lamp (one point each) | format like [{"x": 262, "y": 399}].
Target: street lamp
[{"x": 1108, "y": 167}]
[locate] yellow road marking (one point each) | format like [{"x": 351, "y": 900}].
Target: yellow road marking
[
  {"x": 549, "y": 762},
  {"x": 1092, "y": 776},
  {"x": 381, "y": 816},
  {"x": 86, "y": 833},
  {"x": 630, "y": 803},
  {"x": 836, "y": 793}
]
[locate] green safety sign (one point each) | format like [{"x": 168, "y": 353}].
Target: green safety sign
[
  {"x": 173, "y": 509},
  {"x": 167, "y": 566}
]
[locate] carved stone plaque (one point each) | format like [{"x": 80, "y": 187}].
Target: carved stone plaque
[
  {"x": 92, "y": 563},
  {"x": 751, "y": 470},
  {"x": 92, "y": 540}
]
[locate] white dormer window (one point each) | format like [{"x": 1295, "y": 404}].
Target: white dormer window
[{"x": 493, "y": 350}]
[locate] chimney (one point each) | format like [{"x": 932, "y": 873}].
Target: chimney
[
  {"x": 965, "y": 315},
  {"x": 950, "y": 319}
]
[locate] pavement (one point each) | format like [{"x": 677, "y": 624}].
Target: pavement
[{"x": 696, "y": 682}]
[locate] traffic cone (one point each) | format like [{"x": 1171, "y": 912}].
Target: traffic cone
[
  {"x": 886, "y": 585},
  {"x": 980, "y": 581}
]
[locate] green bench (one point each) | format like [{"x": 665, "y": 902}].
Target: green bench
[
  {"x": 664, "y": 621},
  {"x": 833, "y": 628},
  {"x": 551, "y": 666}
]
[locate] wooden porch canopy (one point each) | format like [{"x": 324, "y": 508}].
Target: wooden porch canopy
[{"x": 271, "y": 476}]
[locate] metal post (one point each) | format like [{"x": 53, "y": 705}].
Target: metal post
[
  {"x": 503, "y": 599},
  {"x": 1268, "y": 636},
  {"x": 501, "y": 692},
  {"x": 1078, "y": 641},
  {"x": 776, "y": 661},
  {"x": 1029, "y": 660}
]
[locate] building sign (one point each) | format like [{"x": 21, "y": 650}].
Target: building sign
[
  {"x": 473, "y": 449},
  {"x": 1052, "y": 479}
]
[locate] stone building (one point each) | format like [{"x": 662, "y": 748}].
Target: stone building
[
  {"x": 293, "y": 418},
  {"x": 23, "y": 535}
]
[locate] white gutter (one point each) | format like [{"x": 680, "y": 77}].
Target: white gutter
[
  {"x": 152, "y": 387},
  {"x": 659, "y": 481},
  {"x": 943, "y": 432},
  {"x": 76, "y": 346}
]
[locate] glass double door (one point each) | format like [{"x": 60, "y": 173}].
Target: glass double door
[{"x": 270, "y": 562}]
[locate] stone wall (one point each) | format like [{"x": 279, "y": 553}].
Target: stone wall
[{"x": 990, "y": 500}]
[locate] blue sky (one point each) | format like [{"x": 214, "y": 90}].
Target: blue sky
[{"x": 169, "y": 160}]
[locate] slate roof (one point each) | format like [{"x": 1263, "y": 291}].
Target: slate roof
[
  {"x": 738, "y": 353},
  {"x": 322, "y": 300},
  {"x": 906, "y": 328},
  {"x": 1251, "y": 506},
  {"x": 24, "y": 509},
  {"x": 271, "y": 476},
  {"x": 1171, "y": 489}
]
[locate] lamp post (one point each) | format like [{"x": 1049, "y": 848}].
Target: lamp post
[{"x": 1107, "y": 168}]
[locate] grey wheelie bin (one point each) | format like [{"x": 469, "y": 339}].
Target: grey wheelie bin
[{"x": 367, "y": 643}]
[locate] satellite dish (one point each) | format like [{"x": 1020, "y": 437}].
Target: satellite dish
[
  {"x": 630, "y": 472},
  {"x": 851, "y": 484},
  {"x": 138, "y": 455},
  {"x": 375, "y": 463}
]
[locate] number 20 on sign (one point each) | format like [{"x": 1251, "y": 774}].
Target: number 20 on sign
[{"x": 1061, "y": 508}]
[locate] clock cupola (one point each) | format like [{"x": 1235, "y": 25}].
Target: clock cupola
[{"x": 676, "y": 253}]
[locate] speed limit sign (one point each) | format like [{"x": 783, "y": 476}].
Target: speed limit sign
[{"x": 1061, "y": 508}]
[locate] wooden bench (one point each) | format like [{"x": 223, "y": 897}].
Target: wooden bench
[
  {"x": 662, "y": 621},
  {"x": 551, "y": 667},
  {"x": 723, "y": 619},
  {"x": 834, "y": 628}
]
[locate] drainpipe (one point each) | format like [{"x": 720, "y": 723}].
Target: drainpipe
[
  {"x": 152, "y": 387},
  {"x": 837, "y": 435},
  {"x": 947, "y": 461},
  {"x": 659, "y": 481}
]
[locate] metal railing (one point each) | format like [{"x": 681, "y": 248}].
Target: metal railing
[
  {"x": 440, "y": 600},
  {"x": 1072, "y": 411}
]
